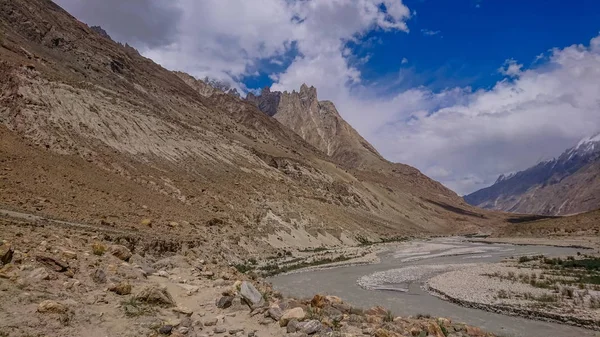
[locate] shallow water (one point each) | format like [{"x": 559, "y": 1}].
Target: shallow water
[{"x": 404, "y": 296}]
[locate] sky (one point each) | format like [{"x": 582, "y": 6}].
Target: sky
[{"x": 464, "y": 90}]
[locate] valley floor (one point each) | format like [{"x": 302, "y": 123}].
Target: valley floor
[{"x": 64, "y": 280}]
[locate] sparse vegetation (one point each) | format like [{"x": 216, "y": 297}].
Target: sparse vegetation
[
  {"x": 98, "y": 249},
  {"x": 274, "y": 269},
  {"x": 389, "y": 316}
]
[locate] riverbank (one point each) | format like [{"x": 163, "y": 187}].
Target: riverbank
[{"x": 526, "y": 289}]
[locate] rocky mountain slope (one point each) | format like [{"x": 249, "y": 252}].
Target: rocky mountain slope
[
  {"x": 564, "y": 185},
  {"x": 320, "y": 124},
  {"x": 93, "y": 132}
]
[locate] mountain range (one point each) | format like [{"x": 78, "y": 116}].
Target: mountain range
[{"x": 565, "y": 185}]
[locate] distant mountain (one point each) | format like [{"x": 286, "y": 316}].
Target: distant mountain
[
  {"x": 565, "y": 185},
  {"x": 320, "y": 124}
]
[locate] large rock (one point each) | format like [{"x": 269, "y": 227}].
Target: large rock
[
  {"x": 157, "y": 295},
  {"x": 295, "y": 313},
  {"x": 310, "y": 327},
  {"x": 252, "y": 296},
  {"x": 121, "y": 252},
  {"x": 54, "y": 307}
]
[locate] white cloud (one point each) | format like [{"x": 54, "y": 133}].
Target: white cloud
[
  {"x": 462, "y": 137},
  {"x": 404, "y": 60},
  {"x": 430, "y": 32},
  {"x": 476, "y": 136},
  {"x": 510, "y": 68}
]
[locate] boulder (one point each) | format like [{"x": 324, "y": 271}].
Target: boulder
[
  {"x": 295, "y": 313},
  {"x": 310, "y": 327},
  {"x": 224, "y": 302},
  {"x": 252, "y": 296},
  {"x": 120, "y": 252},
  {"x": 154, "y": 294}
]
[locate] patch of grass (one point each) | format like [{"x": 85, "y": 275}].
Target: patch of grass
[
  {"x": 243, "y": 268},
  {"x": 98, "y": 249},
  {"x": 389, "y": 316},
  {"x": 134, "y": 308},
  {"x": 314, "y": 250}
]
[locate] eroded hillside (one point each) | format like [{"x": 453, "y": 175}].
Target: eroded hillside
[{"x": 94, "y": 132}]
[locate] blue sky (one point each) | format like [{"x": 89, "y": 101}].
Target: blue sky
[
  {"x": 452, "y": 87},
  {"x": 464, "y": 42}
]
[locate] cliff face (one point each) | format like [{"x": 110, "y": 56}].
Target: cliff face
[
  {"x": 565, "y": 185},
  {"x": 318, "y": 123}
]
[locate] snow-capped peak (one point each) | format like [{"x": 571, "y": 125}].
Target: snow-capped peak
[{"x": 588, "y": 140}]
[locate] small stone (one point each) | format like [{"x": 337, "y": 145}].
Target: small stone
[
  {"x": 235, "y": 331},
  {"x": 224, "y": 302},
  {"x": 99, "y": 276},
  {"x": 123, "y": 288},
  {"x": 49, "y": 306},
  {"x": 146, "y": 222},
  {"x": 207, "y": 274},
  {"x": 252, "y": 296},
  {"x": 162, "y": 273},
  {"x": 165, "y": 330},
  {"x": 120, "y": 252},
  {"x": 183, "y": 310},
  {"x": 183, "y": 330},
  {"x": 265, "y": 321},
  {"x": 210, "y": 322},
  {"x": 220, "y": 329},
  {"x": 69, "y": 255},
  {"x": 39, "y": 274},
  {"x": 297, "y": 313},
  {"x": 6, "y": 253}
]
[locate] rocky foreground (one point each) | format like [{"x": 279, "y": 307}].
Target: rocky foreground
[{"x": 54, "y": 283}]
